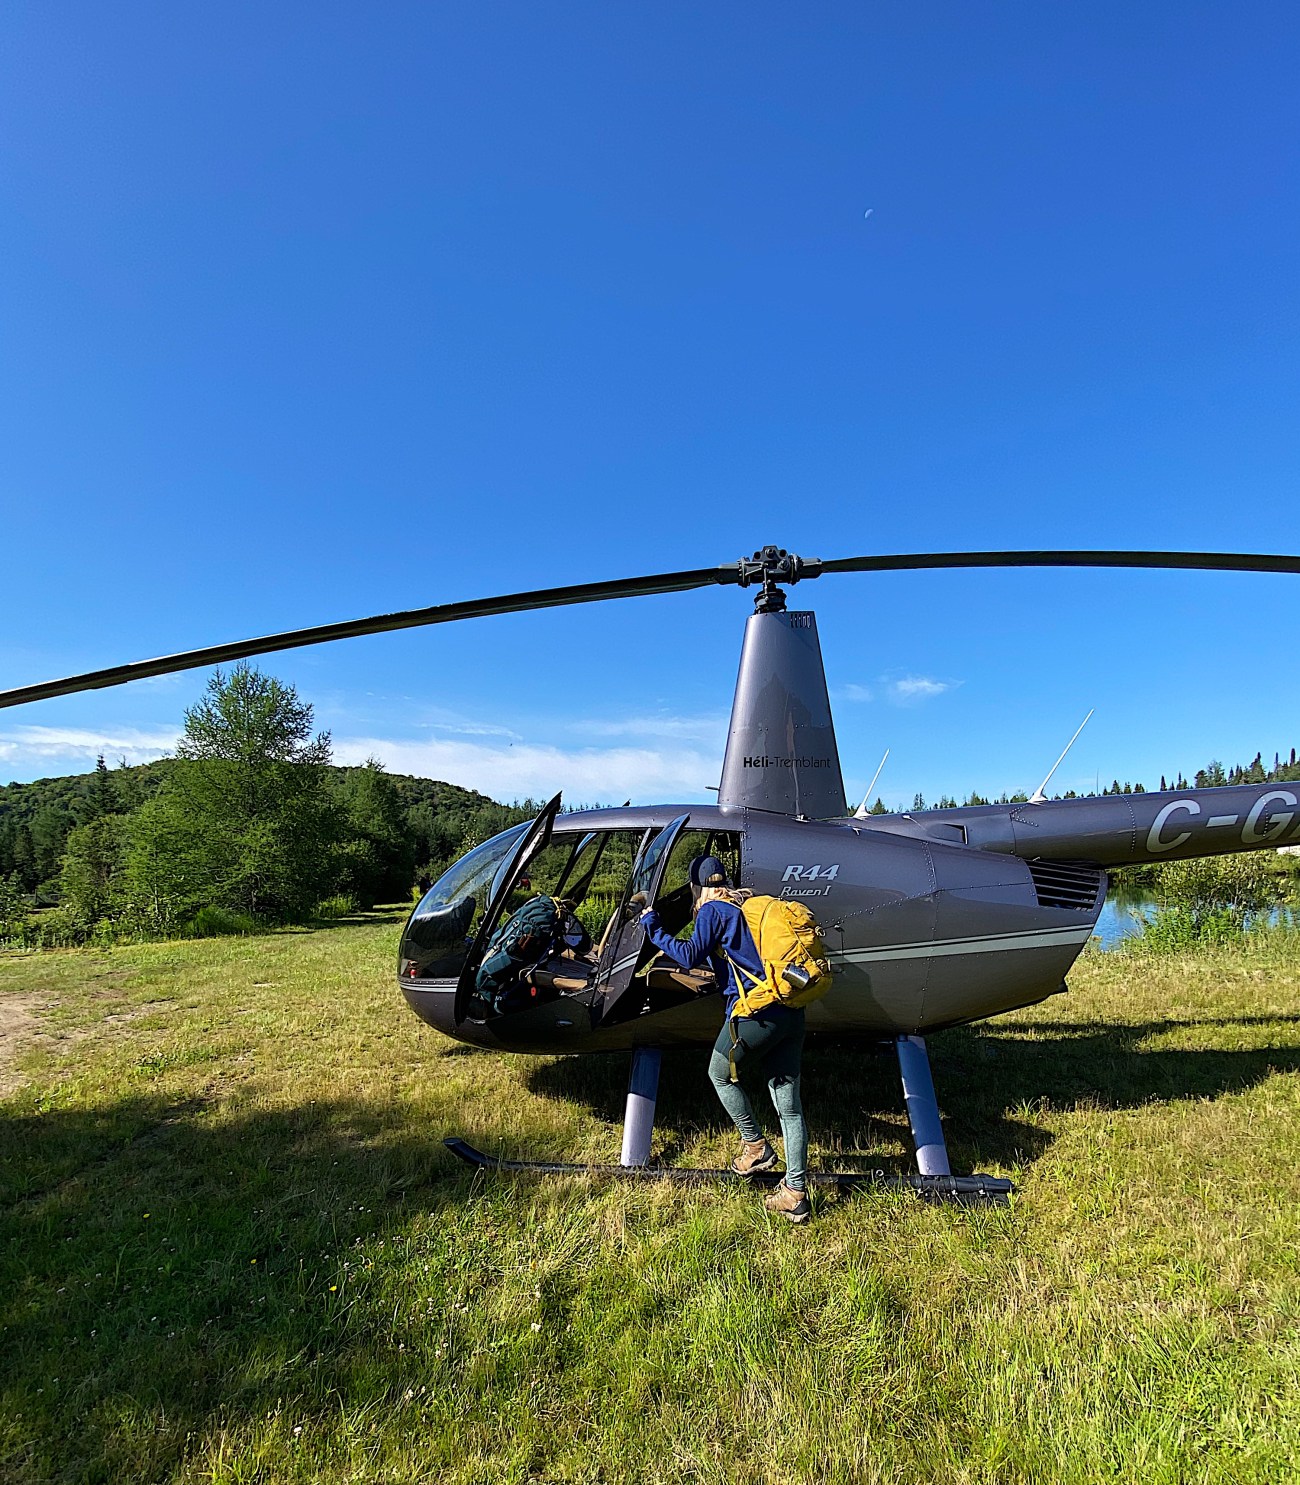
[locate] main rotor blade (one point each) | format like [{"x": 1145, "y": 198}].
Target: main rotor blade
[
  {"x": 672, "y": 582},
  {"x": 1209, "y": 561},
  {"x": 443, "y": 613}
]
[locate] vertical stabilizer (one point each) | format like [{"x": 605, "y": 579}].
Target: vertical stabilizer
[{"x": 781, "y": 752}]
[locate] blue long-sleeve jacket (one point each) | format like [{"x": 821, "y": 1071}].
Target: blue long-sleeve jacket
[{"x": 719, "y": 927}]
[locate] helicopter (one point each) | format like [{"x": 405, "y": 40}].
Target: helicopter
[{"x": 932, "y": 918}]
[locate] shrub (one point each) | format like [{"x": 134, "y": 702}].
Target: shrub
[
  {"x": 217, "y": 922},
  {"x": 1210, "y": 901},
  {"x": 341, "y": 905},
  {"x": 57, "y": 928}
]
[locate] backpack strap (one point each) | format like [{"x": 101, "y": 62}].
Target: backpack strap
[{"x": 742, "y": 1009}]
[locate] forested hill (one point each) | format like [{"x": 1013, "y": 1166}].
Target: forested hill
[
  {"x": 435, "y": 820},
  {"x": 37, "y": 818}
]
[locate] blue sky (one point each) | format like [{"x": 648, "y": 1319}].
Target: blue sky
[{"x": 316, "y": 311}]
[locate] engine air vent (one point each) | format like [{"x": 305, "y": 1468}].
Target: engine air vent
[{"x": 1067, "y": 884}]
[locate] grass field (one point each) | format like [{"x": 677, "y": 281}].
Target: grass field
[{"x": 233, "y": 1249}]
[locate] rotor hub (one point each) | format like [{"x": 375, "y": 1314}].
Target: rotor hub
[{"x": 770, "y": 566}]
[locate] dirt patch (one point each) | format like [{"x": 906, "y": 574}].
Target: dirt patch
[
  {"x": 120, "y": 1019},
  {"x": 19, "y": 1026}
]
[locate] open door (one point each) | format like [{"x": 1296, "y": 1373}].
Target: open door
[
  {"x": 623, "y": 951},
  {"x": 533, "y": 840}
]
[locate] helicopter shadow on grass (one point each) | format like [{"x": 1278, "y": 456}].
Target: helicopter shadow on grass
[
  {"x": 179, "y": 1256},
  {"x": 851, "y": 1094},
  {"x": 987, "y": 1072},
  {"x": 985, "y": 1075}
]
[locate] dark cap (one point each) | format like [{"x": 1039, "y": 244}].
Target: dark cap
[{"x": 708, "y": 871}]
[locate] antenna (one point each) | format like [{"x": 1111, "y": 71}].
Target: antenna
[
  {"x": 862, "y": 812},
  {"x": 1038, "y": 796}
]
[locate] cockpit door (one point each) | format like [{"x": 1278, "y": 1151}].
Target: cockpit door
[
  {"x": 534, "y": 839},
  {"x": 623, "y": 951}
]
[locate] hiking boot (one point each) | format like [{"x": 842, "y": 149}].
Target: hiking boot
[
  {"x": 755, "y": 1155},
  {"x": 794, "y": 1206}
]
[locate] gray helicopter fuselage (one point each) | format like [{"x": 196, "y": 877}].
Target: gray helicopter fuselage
[
  {"x": 932, "y": 918},
  {"x": 922, "y": 933}
]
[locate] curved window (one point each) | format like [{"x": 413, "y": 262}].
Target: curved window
[{"x": 441, "y": 928}]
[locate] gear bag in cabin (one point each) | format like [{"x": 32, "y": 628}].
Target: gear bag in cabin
[
  {"x": 796, "y": 970},
  {"x": 524, "y": 939}
]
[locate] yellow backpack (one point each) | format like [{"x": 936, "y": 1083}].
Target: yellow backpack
[{"x": 796, "y": 970}]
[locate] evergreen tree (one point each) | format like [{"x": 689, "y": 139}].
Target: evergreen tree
[
  {"x": 918, "y": 800},
  {"x": 879, "y": 807},
  {"x": 103, "y": 796}
]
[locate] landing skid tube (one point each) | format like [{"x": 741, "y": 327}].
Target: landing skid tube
[{"x": 963, "y": 1190}]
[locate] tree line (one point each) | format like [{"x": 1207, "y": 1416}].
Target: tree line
[
  {"x": 1213, "y": 776},
  {"x": 250, "y": 823}
]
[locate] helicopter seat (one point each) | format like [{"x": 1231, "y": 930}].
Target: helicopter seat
[
  {"x": 663, "y": 974},
  {"x": 560, "y": 975}
]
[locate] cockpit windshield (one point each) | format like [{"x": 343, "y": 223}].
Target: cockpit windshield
[
  {"x": 442, "y": 926},
  {"x": 527, "y": 918}
]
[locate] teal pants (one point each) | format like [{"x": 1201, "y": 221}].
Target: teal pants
[{"x": 779, "y": 1043}]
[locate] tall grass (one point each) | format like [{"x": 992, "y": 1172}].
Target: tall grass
[{"x": 232, "y": 1247}]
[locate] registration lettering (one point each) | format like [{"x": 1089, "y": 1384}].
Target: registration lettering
[
  {"x": 1275, "y": 825},
  {"x": 1264, "y": 825},
  {"x": 1154, "y": 841}
]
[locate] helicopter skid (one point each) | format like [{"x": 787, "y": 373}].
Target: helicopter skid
[{"x": 974, "y": 1190}]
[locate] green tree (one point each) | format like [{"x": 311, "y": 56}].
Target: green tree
[
  {"x": 90, "y": 882},
  {"x": 246, "y": 820},
  {"x": 24, "y": 856},
  {"x": 378, "y": 852},
  {"x": 126, "y": 786},
  {"x": 167, "y": 876},
  {"x": 50, "y": 827},
  {"x": 13, "y": 908},
  {"x": 103, "y": 796}
]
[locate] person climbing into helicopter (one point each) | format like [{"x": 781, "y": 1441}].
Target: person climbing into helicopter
[{"x": 774, "y": 1034}]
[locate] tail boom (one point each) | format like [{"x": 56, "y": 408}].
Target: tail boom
[{"x": 1125, "y": 829}]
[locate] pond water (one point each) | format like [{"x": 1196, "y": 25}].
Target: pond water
[{"x": 1123, "y": 914}]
